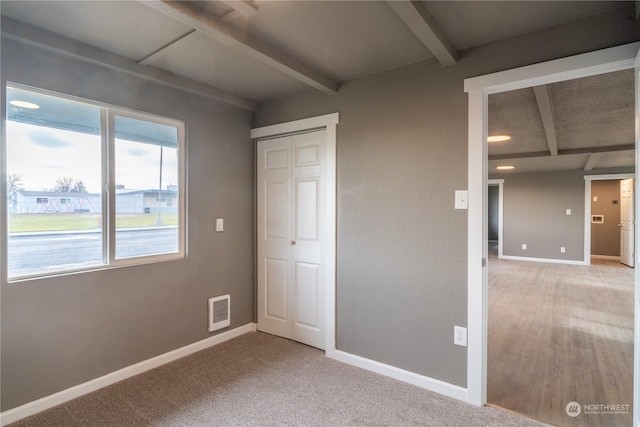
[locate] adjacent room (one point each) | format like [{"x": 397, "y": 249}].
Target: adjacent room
[
  {"x": 560, "y": 286},
  {"x": 213, "y": 202}
]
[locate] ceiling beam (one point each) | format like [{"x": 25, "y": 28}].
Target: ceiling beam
[
  {"x": 592, "y": 161},
  {"x": 416, "y": 16},
  {"x": 244, "y": 42},
  {"x": 34, "y": 36},
  {"x": 585, "y": 150},
  {"x": 243, "y": 7},
  {"x": 543, "y": 99},
  {"x": 239, "y": 10}
]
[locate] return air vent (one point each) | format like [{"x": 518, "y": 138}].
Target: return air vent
[{"x": 219, "y": 312}]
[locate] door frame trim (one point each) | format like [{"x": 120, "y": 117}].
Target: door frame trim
[
  {"x": 330, "y": 123},
  {"x": 478, "y": 89}
]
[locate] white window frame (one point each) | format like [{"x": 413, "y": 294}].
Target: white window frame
[{"x": 108, "y": 191}]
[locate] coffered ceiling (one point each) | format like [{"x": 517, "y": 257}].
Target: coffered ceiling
[{"x": 584, "y": 124}]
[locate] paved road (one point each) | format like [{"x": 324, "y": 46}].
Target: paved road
[{"x": 31, "y": 254}]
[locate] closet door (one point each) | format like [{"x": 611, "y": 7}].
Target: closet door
[{"x": 291, "y": 225}]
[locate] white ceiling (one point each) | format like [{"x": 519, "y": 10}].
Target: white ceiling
[{"x": 248, "y": 52}]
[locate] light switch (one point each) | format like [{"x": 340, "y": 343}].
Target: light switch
[
  {"x": 595, "y": 198},
  {"x": 461, "y": 199},
  {"x": 568, "y": 211},
  {"x": 219, "y": 224}
]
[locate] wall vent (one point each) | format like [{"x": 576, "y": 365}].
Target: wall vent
[{"x": 219, "y": 312}]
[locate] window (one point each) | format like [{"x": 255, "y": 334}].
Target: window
[{"x": 88, "y": 185}]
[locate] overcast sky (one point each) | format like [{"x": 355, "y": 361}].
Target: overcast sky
[{"x": 42, "y": 155}]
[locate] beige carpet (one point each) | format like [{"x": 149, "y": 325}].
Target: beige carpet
[{"x": 262, "y": 380}]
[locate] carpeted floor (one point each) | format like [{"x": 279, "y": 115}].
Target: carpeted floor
[{"x": 262, "y": 380}]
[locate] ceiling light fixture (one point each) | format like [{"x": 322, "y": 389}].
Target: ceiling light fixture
[
  {"x": 505, "y": 167},
  {"x": 498, "y": 138},
  {"x": 24, "y": 104}
]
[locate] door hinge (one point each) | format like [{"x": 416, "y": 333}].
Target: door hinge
[{"x": 484, "y": 262}]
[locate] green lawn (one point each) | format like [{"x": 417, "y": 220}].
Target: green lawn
[{"x": 61, "y": 222}]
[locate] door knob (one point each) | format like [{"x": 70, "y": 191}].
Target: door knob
[{"x": 293, "y": 242}]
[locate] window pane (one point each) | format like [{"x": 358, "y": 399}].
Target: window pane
[
  {"x": 54, "y": 197},
  {"x": 146, "y": 167}
]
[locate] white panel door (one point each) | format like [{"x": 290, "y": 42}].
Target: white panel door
[
  {"x": 274, "y": 235},
  {"x": 627, "y": 232},
  {"x": 291, "y": 199}
]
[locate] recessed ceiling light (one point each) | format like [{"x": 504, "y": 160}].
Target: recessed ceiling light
[
  {"x": 498, "y": 138},
  {"x": 24, "y": 104},
  {"x": 505, "y": 167}
]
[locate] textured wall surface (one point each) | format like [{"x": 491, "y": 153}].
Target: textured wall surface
[
  {"x": 67, "y": 330},
  {"x": 535, "y": 214},
  {"x": 402, "y": 152},
  {"x": 401, "y": 285}
]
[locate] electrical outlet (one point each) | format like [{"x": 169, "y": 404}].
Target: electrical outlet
[
  {"x": 563, "y": 249},
  {"x": 460, "y": 336},
  {"x": 219, "y": 224},
  {"x": 524, "y": 246}
]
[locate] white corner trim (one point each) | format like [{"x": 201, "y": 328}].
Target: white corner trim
[
  {"x": 547, "y": 260},
  {"x": 296, "y": 126},
  {"x": 31, "y": 408},
  {"x": 421, "y": 381}
]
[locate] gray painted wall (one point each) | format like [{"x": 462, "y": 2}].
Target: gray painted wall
[
  {"x": 535, "y": 214},
  {"x": 605, "y": 237},
  {"x": 402, "y": 152},
  {"x": 64, "y": 331}
]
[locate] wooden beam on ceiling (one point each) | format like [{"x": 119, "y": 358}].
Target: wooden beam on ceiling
[
  {"x": 416, "y": 16},
  {"x": 584, "y": 150},
  {"x": 245, "y": 8},
  {"x": 545, "y": 106},
  {"x": 239, "y": 10},
  {"x": 593, "y": 160},
  {"x": 244, "y": 42},
  {"x": 34, "y": 36}
]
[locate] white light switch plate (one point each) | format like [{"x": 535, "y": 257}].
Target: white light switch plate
[
  {"x": 461, "y": 199},
  {"x": 219, "y": 224}
]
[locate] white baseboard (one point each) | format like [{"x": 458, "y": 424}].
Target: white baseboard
[
  {"x": 421, "y": 381},
  {"x": 31, "y": 408},
  {"x": 609, "y": 257},
  {"x": 547, "y": 260}
]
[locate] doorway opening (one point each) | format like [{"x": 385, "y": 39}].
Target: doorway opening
[
  {"x": 608, "y": 60},
  {"x": 605, "y": 213},
  {"x": 553, "y": 320}
]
